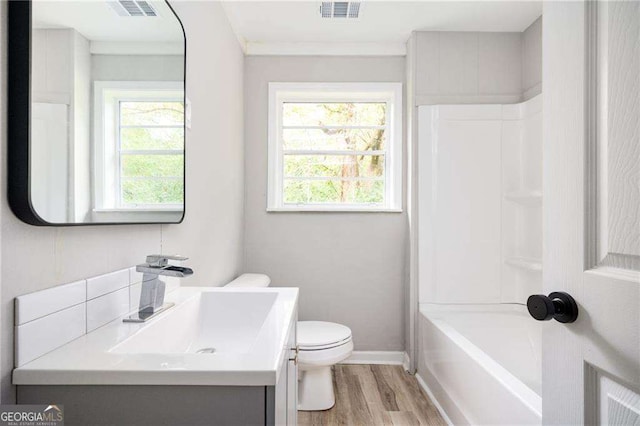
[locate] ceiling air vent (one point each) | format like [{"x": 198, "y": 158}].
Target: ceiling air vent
[
  {"x": 133, "y": 8},
  {"x": 340, "y": 9}
]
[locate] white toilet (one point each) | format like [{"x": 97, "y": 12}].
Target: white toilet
[{"x": 321, "y": 345}]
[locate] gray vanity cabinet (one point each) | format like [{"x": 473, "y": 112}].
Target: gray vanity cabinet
[{"x": 177, "y": 405}]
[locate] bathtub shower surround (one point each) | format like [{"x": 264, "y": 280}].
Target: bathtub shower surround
[
  {"x": 480, "y": 202},
  {"x": 495, "y": 348},
  {"x": 480, "y": 250},
  {"x": 48, "y": 319}
]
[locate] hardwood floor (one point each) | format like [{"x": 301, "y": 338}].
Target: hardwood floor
[{"x": 371, "y": 395}]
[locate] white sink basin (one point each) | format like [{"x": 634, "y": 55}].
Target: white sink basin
[
  {"x": 222, "y": 322},
  {"x": 242, "y": 331}
]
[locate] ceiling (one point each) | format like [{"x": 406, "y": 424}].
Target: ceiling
[
  {"x": 97, "y": 21},
  {"x": 299, "y": 21}
]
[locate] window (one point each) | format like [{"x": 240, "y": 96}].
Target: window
[
  {"x": 335, "y": 147},
  {"x": 139, "y": 146}
]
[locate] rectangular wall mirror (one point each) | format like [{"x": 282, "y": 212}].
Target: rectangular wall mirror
[{"x": 96, "y": 112}]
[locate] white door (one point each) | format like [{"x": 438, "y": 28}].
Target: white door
[
  {"x": 49, "y": 160},
  {"x": 591, "y": 84}
]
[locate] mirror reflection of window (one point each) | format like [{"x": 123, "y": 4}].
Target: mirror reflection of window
[
  {"x": 151, "y": 153},
  {"x": 139, "y": 146}
]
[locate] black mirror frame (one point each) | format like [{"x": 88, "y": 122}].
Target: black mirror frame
[{"x": 19, "y": 119}]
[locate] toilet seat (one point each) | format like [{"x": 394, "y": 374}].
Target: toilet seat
[
  {"x": 309, "y": 359},
  {"x": 321, "y": 335}
]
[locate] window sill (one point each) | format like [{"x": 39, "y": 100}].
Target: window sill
[
  {"x": 137, "y": 210},
  {"x": 331, "y": 209}
]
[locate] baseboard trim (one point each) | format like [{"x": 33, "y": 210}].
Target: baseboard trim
[
  {"x": 433, "y": 399},
  {"x": 376, "y": 357}
]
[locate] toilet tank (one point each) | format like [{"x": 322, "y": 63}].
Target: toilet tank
[{"x": 250, "y": 280}]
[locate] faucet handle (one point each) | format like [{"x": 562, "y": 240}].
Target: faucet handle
[{"x": 162, "y": 260}]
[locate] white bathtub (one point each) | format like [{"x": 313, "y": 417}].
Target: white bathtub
[{"x": 482, "y": 363}]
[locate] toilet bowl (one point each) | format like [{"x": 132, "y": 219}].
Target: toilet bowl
[{"x": 320, "y": 346}]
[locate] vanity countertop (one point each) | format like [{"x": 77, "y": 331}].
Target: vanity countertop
[{"x": 246, "y": 330}]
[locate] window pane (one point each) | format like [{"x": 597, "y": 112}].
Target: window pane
[
  {"x": 152, "y": 165},
  {"x": 152, "y": 138},
  {"x": 141, "y": 113},
  {"x": 325, "y": 139},
  {"x": 161, "y": 191},
  {"x": 334, "y": 165},
  {"x": 334, "y": 114},
  {"x": 335, "y": 192}
]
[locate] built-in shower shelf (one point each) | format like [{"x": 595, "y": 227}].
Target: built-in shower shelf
[
  {"x": 527, "y": 198},
  {"x": 528, "y": 263}
]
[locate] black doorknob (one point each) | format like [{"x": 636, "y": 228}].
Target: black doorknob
[{"x": 558, "y": 305}]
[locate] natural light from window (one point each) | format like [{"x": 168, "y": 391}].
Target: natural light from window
[
  {"x": 139, "y": 130},
  {"x": 151, "y": 153},
  {"x": 335, "y": 149}
]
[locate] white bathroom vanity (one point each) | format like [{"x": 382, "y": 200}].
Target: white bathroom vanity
[{"x": 218, "y": 356}]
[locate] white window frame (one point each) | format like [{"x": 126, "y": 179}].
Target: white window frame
[
  {"x": 391, "y": 93},
  {"x": 107, "y": 95}
]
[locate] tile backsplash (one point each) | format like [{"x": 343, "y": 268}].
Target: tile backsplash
[
  {"x": 48, "y": 319},
  {"x": 104, "y": 309},
  {"x": 107, "y": 283},
  {"x": 36, "y": 305}
]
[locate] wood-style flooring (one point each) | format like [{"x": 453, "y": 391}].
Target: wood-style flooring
[{"x": 371, "y": 395}]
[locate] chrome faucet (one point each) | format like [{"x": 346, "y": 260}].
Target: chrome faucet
[{"x": 153, "y": 288}]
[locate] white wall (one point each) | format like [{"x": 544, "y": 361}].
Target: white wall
[
  {"x": 53, "y": 65},
  {"x": 38, "y": 258},
  {"x": 137, "y": 67},
  {"x": 349, "y": 266},
  {"x": 212, "y": 231},
  {"x": 468, "y": 67},
  {"x": 477, "y": 67},
  {"x": 81, "y": 135},
  {"x": 532, "y": 60}
]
